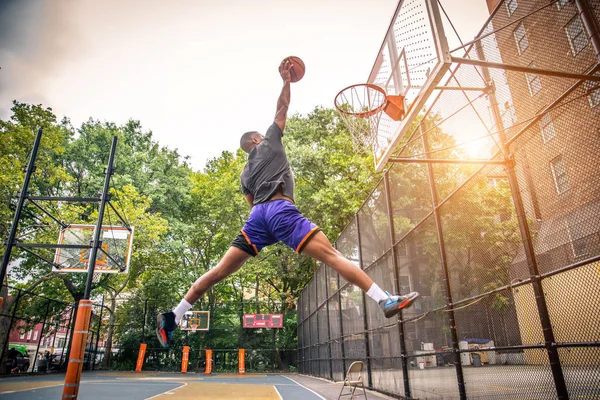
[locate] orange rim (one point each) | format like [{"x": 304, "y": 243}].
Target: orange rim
[{"x": 339, "y": 103}]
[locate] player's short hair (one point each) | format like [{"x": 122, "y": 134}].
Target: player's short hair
[{"x": 246, "y": 140}]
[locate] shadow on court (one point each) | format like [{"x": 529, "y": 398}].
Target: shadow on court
[{"x": 173, "y": 386}]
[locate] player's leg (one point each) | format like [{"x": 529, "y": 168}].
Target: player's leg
[
  {"x": 296, "y": 231},
  {"x": 319, "y": 248},
  {"x": 167, "y": 322}
]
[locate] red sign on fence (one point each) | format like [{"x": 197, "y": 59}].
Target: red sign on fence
[{"x": 263, "y": 321}]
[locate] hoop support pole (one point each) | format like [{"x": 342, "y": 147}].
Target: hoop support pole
[{"x": 77, "y": 354}]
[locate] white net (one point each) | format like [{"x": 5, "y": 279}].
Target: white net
[{"x": 360, "y": 108}]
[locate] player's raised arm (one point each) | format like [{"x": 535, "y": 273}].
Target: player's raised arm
[{"x": 283, "y": 102}]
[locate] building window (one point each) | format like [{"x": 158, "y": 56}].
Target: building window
[
  {"x": 29, "y": 335},
  {"x": 561, "y": 3},
  {"x": 546, "y": 127},
  {"x": 22, "y": 335},
  {"x": 35, "y": 335},
  {"x": 521, "y": 38},
  {"x": 577, "y": 237},
  {"x": 593, "y": 93},
  {"x": 534, "y": 82},
  {"x": 511, "y": 6},
  {"x": 559, "y": 172},
  {"x": 577, "y": 35}
]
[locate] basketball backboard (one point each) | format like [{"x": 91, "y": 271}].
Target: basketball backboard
[
  {"x": 114, "y": 254},
  {"x": 412, "y": 60},
  {"x": 195, "y": 321}
]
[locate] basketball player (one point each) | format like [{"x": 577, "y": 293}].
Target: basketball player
[{"x": 268, "y": 184}]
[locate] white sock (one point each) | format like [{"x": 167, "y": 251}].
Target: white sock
[
  {"x": 376, "y": 293},
  {"x": 181, "y": 309}
]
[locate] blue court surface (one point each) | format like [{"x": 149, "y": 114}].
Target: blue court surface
[{"x": 174, "y": 386}]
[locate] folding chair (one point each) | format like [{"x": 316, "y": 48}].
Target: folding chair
[{"x": 354, "y": 379}]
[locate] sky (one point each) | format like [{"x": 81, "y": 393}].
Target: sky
[{"x": 196, "y": 73}]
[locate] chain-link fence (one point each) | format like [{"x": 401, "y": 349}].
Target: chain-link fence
[
  {"x": 505, "y": 252},
  {"x": 266, "y": 349},
  {"x": 35, "y": 333}
]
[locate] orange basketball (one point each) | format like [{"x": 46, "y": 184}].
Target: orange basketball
[{"x": 298, "y": 68}]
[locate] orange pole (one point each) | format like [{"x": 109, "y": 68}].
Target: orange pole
[
  {"x": 242, "y": 361},
  {"x": 77, "y": 354},
  {"x": 141, "y": 356},
  {"x": 185, "y": 359},
  {"x": 208, "y": 362}
]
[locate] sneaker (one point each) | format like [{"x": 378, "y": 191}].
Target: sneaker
[
  {"x": 165, "y": 326},
  {"x": 393, "y": 304}
]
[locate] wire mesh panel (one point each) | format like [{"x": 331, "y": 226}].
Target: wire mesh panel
[
  {"x": 337, "y": 359},
  {"x": 374, "y": 226},
  {"x": 384, "y": 338},
  {"x": 347, "y": 244},
  {"x": 352, "y": 311}
]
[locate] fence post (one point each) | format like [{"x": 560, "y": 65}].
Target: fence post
[
  {"x": 390, "y": 213},
  {"x": 339, "y": 292},
  {"x": 98, "y": 334},
  {"x": 328, "y": 323},
  {"x": 364, "y": 299},
  {"x": 444, "y": 261},
  {"x": 536, "y": 281},
  {"x": 41, "y": 335},
  {"x": 68, "y": 333},
  {"x": 143, "y": 339},
  {"x": 10, "y": 325}
]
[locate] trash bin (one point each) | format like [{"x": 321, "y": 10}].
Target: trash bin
[
  {"x": 476, "y": 359},
  {"x": 42, "y": 365}
]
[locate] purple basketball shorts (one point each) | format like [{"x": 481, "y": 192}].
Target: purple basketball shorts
[{"x": 274, "y": 221}]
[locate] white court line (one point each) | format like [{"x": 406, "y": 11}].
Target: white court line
[
  {"x": 310, "y": 390},
  {"x": 278, "y": 394},
  {"x": 166, "y": 392},
  {"x": 35, "y": 388}
]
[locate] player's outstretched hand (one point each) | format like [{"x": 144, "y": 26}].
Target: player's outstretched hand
[{"x": 284, "y": 70}]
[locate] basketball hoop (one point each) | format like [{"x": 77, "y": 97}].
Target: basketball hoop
[{"x": 360, "y": 108}]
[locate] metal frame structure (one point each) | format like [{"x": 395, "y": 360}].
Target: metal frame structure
[{"x": 94, "y": 246}]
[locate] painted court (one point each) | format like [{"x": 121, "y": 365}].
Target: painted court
[{"x": 172, "y": 386}]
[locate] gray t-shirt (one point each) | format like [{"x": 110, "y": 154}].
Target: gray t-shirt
[{"x": 268, "y": 168}]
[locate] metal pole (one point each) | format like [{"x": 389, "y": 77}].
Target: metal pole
[
  {"x": 41, "y": 335},
  {"x": 444, "y": 261},
  {"x": 328, "y": 324},
  {"x": 536, "y": 282},
  {"x": 445, "y": 161},
  {"x": 96, "y": 243},
  {"x": 98, "y": 334},
  {"x": 339, "y": 292},
  {"x": 364, "y": 299},
  {"x": 401, "y": 333},
  {"x": 20, "y": 203},
  {"x": 518, "y": 68},
  {"x": 590, "y": 23}
]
